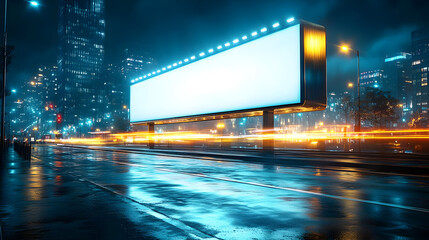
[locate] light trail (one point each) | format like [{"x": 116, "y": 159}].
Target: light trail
[{"x": 279, "y": 135}]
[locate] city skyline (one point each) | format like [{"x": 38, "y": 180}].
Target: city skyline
[{"x": 167, "y": 40}]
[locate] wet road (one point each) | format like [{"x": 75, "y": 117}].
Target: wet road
[{"x": 173, "y": 197}]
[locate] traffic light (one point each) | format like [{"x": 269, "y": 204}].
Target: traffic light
[{"x": 59, "y": 118}]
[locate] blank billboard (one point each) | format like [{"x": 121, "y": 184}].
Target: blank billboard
[{"x": 266, "y": 72}]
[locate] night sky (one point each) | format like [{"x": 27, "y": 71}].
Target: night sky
[{"x": 170, "y": 30}]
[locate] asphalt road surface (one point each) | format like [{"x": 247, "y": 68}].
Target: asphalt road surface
[{"x": 79, "y": 193}]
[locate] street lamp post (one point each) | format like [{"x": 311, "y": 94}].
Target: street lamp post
[
  {"x": 346, "y": 49},
  {"x": 3, "y": 101}
]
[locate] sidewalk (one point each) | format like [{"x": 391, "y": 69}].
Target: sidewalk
[{"x": 40, "y": 200}]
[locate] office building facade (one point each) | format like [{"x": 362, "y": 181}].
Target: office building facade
[{"x": 81, "y": 32}]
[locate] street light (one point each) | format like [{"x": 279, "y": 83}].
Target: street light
[
  {"x": 350, "y": 85},
  {"x": 346, "y": 49},
  {"x": 3, "y": 101},
  {"x": 34, "y": 3}
]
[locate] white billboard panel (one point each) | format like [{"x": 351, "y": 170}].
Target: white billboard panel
[{"x": 265, "y": 72}]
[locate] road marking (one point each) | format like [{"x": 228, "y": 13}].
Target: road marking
[
  {"x": 127, "y": 151},
  {"x": 285, "y": 188},
  {"x": 193, "y": 232}
]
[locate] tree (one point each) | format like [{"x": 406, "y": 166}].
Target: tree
[{"x": 378, "y": 108}]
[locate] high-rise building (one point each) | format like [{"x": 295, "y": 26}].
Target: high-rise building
[
  {"x": 398, "y": 82},
  {"x": 115, "y": 89},
  {"x": 373, "y": 79},
  {"x": 81, "y": 31},
  {"x": 420, "y": 65},
  {"x": 133, "y": 66}
]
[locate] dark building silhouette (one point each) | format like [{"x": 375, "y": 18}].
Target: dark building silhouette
[
  {"x": 420, "y": 65},
  {"x": 133, "y": 66},
  {"x": 398, "y": 82},
  {"x": 81, "y": 32}
]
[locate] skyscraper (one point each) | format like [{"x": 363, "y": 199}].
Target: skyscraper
[
  {"x": 373, "y": 79},
  {"x": 398, "y": 82},
  {"x": 81, "y": 31},
  {"x": 134, "y": 66},
  {"x": 420, "y": 65}
]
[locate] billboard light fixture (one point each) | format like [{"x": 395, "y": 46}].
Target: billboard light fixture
[
  {"x": 144, "y": 76},
  {"x": 140, "y": 78},
  {"x": 236, "y": 41}
]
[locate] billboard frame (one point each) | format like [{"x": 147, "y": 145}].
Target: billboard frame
[{"x": 312, "y": 85}]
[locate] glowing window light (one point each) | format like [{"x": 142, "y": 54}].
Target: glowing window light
[
  {"x": 227, "y": 44},
  {"x": 174, "y": 64},
  {"x": 210, "y": 50},
  {"x": 133, "y": 81},
  {"x": 235, "y": 41},
  {"x": 186, "y": 60},
  {"x": 149, "y": 75},
  {"x": 140, "y": 78},
  {"x": 158, "y": 71},
  {"x": 219, "y": 47},
  {"x": 276, "y": 25},
  {"x": 153, "y": 72},
  {"x": 202, "y": 54},
  {"x": 193, "y": 57},
  {"x": 254, "y": 33},
  {"x": 163, "y": 69},
  {"x": 180, "y": 62},
  {"x": 244, "y": 37},
  {"x": 169, "y": 66},
  {"x": 144, "y": 76},
  {"x": 264, "y": 29},
  {"x": 289, "y": 20}
]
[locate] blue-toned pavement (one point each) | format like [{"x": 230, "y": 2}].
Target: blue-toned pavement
[{"x": 120, "y": 195}]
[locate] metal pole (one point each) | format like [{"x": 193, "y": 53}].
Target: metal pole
[
  {"x": 3, "y": 100},
  {"x": 268, "y": 129},
  {"x": 151, "y": 133},
  {"x": 358, "y": 87}
]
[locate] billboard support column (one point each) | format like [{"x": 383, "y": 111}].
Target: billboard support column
[
  {"x": 151, "y": 134},
  {"x": 268, "y": 130}
]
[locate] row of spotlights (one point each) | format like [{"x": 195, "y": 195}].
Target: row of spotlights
[{"x": 202, "y": 54}]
